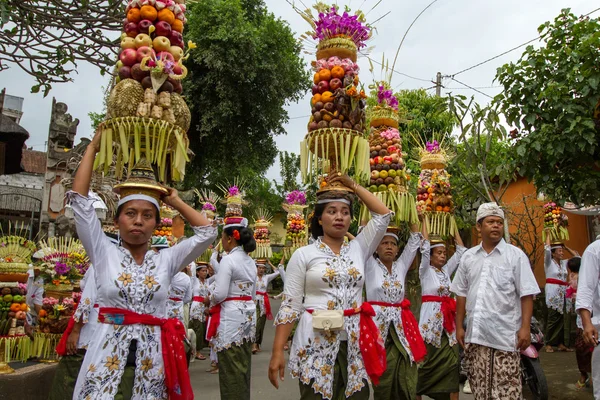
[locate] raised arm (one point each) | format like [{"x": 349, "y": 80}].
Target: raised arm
[
  {"x": 452, "y": 264},
  {"x": 369, "y": 199},
  {"x": 83, "y": 176}
]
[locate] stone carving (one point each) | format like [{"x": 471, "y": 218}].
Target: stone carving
[
  {"x": 64, "y": 226},
  {"x": 63, "y": 129}
]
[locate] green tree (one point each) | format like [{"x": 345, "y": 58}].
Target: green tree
[
  {"x": 423, "y": 115},
  {"x": 246, "y": 68},
  {"x": 481, "y": 169},
  {"x": 290, "y": 169},
  {"x": 550, "y": 94},
  {"x": 47, "y": 39}
]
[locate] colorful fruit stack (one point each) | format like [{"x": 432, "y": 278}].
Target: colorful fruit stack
[
  {"x": 335, "y": 139},
  {"x": 13, "y": 308},
  {"x": 295, "y": 203},
  {"x": 234, "y": 200},
  {"x": 388, "y": 176},
  {"x": 165, "y": 227},
  {"x": 433, "y": 191},
  {"x": 262, "y": 222},
  {"x": 208, "y": 200},
  {"x": 556, "y": 223},
  {"x": 146, "y": 115},
  {"x": 64, "y": 262}
]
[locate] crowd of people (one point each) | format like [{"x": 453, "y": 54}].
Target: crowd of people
[{"x": 344, "y": 304}]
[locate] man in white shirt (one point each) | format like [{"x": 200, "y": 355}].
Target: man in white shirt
[
  {"x": 588, "y": 306},
  {"x": 495, "y": 285}
]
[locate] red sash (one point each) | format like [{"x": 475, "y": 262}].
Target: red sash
[
  {"x": 174, "y": 298},
  {"x": 410, "y": 327},
  {"x": 556, "y": 282},
  {"x": 215, "y": 315},
  {"x": 448, "y": 310},
  {"x": 61, "y": 347},
  {"x": 199, "y": 299},
  {"x": 177, "y": 378},
  {"x": 265, "y": 296},
  {"x": 371, "y": 345}
]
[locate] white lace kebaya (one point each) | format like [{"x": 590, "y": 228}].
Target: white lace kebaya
[{"x": 318, "y": 279}]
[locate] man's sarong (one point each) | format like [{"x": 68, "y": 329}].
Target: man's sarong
[{"x": 493, "y": 374}]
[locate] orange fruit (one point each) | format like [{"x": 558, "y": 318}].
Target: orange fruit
[
  {"x": 327, "y": 97},
  {"x": 148, "y": 12},
  {"x": 177, "y": 25},
  {"x": 166, "y": 15},
  {"x": 134, "y": 15},
  {"x": 315, "y": 99},
  {"x": 324, "y": 75},
  {"x": 316, "y": 78}
]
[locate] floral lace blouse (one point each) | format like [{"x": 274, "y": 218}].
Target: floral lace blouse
[
  {"x": 181, "y": 288},
  {"x": 389, "y": 288},
  {"x": 318, "y": 279},
  {"x": 141, "y": 288},
  {"x": 555, "y": 294},
  {"x": 236, "y": 277},
  {"x": 199, "y": 288},
  {"x": 262, "y": 284},
  {"x": 86, "y": 311},
  {"x": 436, "y": 282}
]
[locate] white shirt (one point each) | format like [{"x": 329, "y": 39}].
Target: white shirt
[
  {"x": 181, "y": 289},
  {"x": 555, "y": 294},
  {"x": 319, "y": 279},
  {"x": 389, "y": 288},
  {"x": 199, "y": 289},
  {"x": 262, "y": 284},
  {"x": 588, "y": 289},
  {"x": 86, "y": 311},
  {"x": 236, "y": 277},
  {"x": 436, "y": 282},
  {"x": 493, "y": 285},
  {"x": 142, "y": 288}
]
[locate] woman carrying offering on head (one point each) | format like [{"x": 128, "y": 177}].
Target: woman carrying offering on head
[
  {"x": 232, "y": 324},
  {"x": 323, "y": 292},
  {"x": 439, "y": 374},
  {"x": 263, "y": 305},
  {"x": 385, "y": 280},
  {"x": 558, "y": 326},
  {"x": 132, "y": 288}
]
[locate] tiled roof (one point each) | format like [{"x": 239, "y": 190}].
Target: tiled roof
[{"x": 34, "y": 162}]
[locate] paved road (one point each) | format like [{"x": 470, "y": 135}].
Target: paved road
[{"x": 560, "y": 368}]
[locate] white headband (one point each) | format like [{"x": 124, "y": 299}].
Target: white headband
[
  {"x": 392, "y": 235},
  {"x": 555, "y": 247},
  {"x": 433, "y": 246},
  {"x": 138, "y": 197},
  {"x": 325, "y": 201},
  {"x": 243, "y": 223}
]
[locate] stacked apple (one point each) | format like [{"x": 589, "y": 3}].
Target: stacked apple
[
  {"x": 433, "y": 191},
  {"x": 261, "y": 235},
  {"x": 334, "y": 90},
  {"x": 152, "y": 30},
  {"x": 387, "y": 165},
  {"x": 296, "y": 229}
]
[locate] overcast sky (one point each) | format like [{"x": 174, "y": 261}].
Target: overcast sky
[{"x": 450, "y": 36}]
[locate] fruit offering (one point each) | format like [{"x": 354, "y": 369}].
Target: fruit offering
[
  {"x": 13, "y": 308},
  {"x": 555, "y": 222},
  {"x": 55, "y": 314},
  {"x": 262, "y": 221},
  {"x": 15, "y": 254},
  {"x": 295, "y": 203},
  {"x": 388, "y": 176},
  {"x": 208, "y": 199},
  {"x": 64, "y": 262},
  {"x": 433, "y": 191},
  {"x": 165, "y": 227},
  {"x": 146, "y": 116},
  {"x": 336, "y": 127}
]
